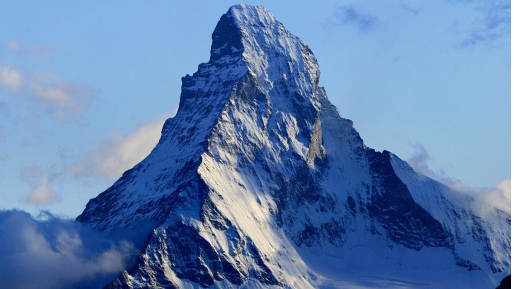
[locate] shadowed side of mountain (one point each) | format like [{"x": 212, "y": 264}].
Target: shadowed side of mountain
[
  {"x": 505, "y": 283},
  {"x": 258, "y": 182}
]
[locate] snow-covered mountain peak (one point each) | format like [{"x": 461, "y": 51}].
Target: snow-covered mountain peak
[
  {"x": 271, "y": 53},
  {"x": 258, "y": 182}
]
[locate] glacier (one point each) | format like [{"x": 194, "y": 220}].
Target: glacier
[{"x": 258, "y": 182}]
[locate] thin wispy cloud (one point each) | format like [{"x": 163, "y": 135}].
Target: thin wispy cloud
[
  {"x": 409, "y": 10},
  {"x": 15, "y": 46},
  {"x": 495, "y": 25},
  {"x": 111, "y": 158},
  {"x": 64, "y": 98},
  {"x": 120, "y": 153},
  {"x": 486, "y": 199},
  {"x": 39, "y": 182},
  {"x": 349, "y": 15},
  {"x": 51, "y": 252},
  {"x": 49, "y": 94},
  {"x": 11, "y": 79},
  {"x": 493, "y": 22}
]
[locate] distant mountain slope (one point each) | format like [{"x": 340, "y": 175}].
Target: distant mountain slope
[{"x": 258, "y": 182}]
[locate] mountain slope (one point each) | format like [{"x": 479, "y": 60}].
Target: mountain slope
[
  {"x": 505, "y": 283},
  {"x": 258, "y": 182}
]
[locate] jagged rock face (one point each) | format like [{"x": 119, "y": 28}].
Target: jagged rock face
[{"x": 257, "y": 173}]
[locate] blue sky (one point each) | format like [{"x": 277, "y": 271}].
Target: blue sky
[{"x": 85, "y": 86}]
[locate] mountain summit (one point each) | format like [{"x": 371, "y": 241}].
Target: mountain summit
[{"x": 258, "y": 182}]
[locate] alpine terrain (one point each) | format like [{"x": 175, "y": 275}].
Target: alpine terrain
[{"x": 258, "y": 182}]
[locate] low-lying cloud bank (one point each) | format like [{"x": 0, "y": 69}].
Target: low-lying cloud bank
[
  {"x": 51, "y": 252},
  {"x": 486, "y": 199}
]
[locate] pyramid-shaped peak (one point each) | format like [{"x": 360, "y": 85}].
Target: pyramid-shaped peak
[
  {"x": 270, "y": 51},
  {"x": 248, "y": 15},
  {"x": 257, "y": 149},
  {"x": 238, "y": 29},
  {"x": 246, "y": 7}
]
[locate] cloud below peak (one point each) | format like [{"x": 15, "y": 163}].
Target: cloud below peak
[
  {"x": 120, "y": 153},
  {"x": 58, "y": 253},
  {"x": 485, "y": 199}
]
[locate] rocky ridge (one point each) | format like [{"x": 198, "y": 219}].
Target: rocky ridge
[{"x": 258, "y": 182}]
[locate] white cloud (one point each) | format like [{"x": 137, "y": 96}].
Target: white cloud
[
  {"x": 33, "y": 50},
  {"x": 42, "y": 193},
  {"x": 58, "y": 253},
  {"x": 10, "y": 78},
  {"x": 486, "y": 199},
  {"x": 13, "y": 45},
  {"x": 60, "y": 99},
  {"x": 38, "y": 180},
  {"x": 120, "y": 153},
  {"x": 64, "y": 97},
  {"x": 499, "y": 196}
]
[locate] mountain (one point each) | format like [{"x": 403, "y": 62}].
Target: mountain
[
  {"x": 506, "y": 283},
  {"x": 258, "y": 182}
]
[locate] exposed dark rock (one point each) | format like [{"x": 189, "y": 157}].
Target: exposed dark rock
[
  {"x": 505, "y": 283},
  {"x": 258, "y": 165},
  {"x": 392, "y": 205}
]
